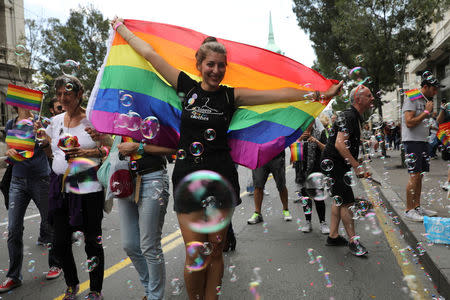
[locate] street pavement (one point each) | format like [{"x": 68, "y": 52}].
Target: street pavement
[{"x": 274, "y": 253}]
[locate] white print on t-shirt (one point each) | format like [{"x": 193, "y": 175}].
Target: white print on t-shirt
[{"x": 201, "y": 113}]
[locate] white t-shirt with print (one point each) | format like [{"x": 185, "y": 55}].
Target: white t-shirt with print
[{"x": 55, "y": 131}]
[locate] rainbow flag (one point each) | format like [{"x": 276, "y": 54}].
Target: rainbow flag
[
  {"x": 296, "y": 151},
  {"x": 23, "y": 97},
  {"x": 256, "y": 133},
  {"x": 134, "y": 156},
  {"x": 443, "y": 133},
  {"x": 413, "y": 94}
]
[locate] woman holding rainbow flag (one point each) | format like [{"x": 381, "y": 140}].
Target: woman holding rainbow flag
[{"x": 207, "y": 105}]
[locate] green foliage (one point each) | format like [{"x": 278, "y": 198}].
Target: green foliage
[
  {"x": 385, "y": 32},
  {"x": 82, "y": 39}
]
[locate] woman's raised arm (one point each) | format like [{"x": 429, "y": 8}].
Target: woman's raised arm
[{"x": 146, "y": 50}]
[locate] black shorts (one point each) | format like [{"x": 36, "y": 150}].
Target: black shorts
[
  {"x": 218, "y": 162},
  {"x": 420, "y": 150},
  {"x": 277, "y": 167},
  {"x": 340, "y": 188}
]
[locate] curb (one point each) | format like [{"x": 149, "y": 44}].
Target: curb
[{"x": 412, "y": 234}]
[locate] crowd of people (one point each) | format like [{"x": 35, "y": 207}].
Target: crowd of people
[{"x": 70, "y": 202}]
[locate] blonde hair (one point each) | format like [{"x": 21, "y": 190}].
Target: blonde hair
[
  {"x": 209, "y": 44},
  {"x": 324, "y": 119}
]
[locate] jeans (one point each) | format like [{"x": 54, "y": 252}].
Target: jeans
[
  {"x": 141, "y": 227},
  {"x": 21, "y": 191},
  {"x": 92, "y": 213}
]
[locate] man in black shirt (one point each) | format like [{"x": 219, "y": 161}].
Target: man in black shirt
[{"x": 343, "y": 148}]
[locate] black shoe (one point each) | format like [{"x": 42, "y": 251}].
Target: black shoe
[
  {"x": 357, "y": 249},
  {"x": 230, "y": 244},
  {"x": 338, "y": 241}
]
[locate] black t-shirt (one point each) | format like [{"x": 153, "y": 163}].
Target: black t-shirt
[
  {"x": 202, "y": 111},
  {"x": 352, "y": 121}
]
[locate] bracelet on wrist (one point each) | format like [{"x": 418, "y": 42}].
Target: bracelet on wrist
[
  {"x": 426, "y": 111},
  {"x": 117, "y": 25}
]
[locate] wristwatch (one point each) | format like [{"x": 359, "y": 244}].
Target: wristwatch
[{"x": 140, "y": 150}]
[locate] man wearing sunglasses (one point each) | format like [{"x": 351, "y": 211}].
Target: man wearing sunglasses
[{"x": 55, "y": 107}]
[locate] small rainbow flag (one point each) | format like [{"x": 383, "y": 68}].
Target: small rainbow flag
[
  {"x": 23, "y": 97},
  {"x": 414, "y": 94},
  {"x": 256, "y": 133},
  {"x": 443, "y": 133},
  {"x": 296, "y": 151},
  {"x": 134, "y": 156}
]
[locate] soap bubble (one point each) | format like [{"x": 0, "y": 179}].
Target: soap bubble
[
  {"x": 210, "y": 134},
  {"x": 125, "y": 98},
  {"x": 77, "y": 237},
  {"x": 338, "y": 200},
  {"x": 90, "y": 264},
  {"x": 134, "y": 121},
  {"x": 358, "y": 74},
  {"x": 89, "y": 56},
  {"x": 150, "y": 127},
  {"x": 70, "y": 67},
  {"x": 376, "y": 120},
  {"x": 410, "y": 164},
  {"x": 31, "y": 265},
  {"x": 398, "y": 68},
  {"x": 69, "y": 87},
  {"x": 195, "y": 250},
  {"x": 99, "y": 240},
  {"x": 359, "y": 58},
  {"x": 327, "y": 165},
  {"x": 412, "y": 157},
  {"x": 350, "y": 178},
  {"x": 24, "y": 129},
  {"x": 176, "y": 286},
  {"x": 133, "y": 165},
  {"x": 198, "y": 186},
  {"x": 315, "y": 186},
  {"x": 181, "y": 154},
  {"x": 20, "y": 50},
  {"x": 45, "y": 121},
  {"x": 196, "y": 148}
]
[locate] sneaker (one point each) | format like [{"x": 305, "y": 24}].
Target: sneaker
[
  {"x": 94, "y": 296},
  {"x": 251, "y": 193},
  {"x": 287, "y": 215},
  {"x": 71, "y": 292},
  {"x": 413, "y": 215},
  {"x": 357, "y": 249},
  {"x": 338, "y": 241},
  {"x": 445, "y": 186},
  {"x": 307, "y": 227},
  {"x": 255, "y": 219},
  {"x": 53, "y": 273},
  {"x": 324, "y": 228},
  {"x": 266, "y": 192},
  {"x": 425, "y": 212},
  {"x": 9, "y": 284}
]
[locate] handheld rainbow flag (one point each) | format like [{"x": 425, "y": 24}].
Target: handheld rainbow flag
[
  {"x": 256, "y": 133},
  {"x": 23, "y": 97},
  {"x": 134, "y": 156},
  {"x": 414, "y": 94},
  {"x": 296, "y": 151},
  {"x": 23, "y": 145},
  {"x": 443, "y": 133}
]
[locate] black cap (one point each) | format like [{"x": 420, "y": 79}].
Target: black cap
[{"x": 432, "y": 81}]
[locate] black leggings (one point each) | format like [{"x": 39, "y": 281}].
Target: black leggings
[
  {"x": 92, "y": 211},
  {"x": 320, "y": 207}
]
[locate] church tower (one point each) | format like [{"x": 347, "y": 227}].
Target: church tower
[{"x": 271, "y": 41}]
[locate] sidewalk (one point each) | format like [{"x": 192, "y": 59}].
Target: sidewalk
[{"x": 436, "y": 260}]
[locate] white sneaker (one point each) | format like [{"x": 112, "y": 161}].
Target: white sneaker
[
  {"x": 287, "y": 215},
  {"x": 266, "y": 192},
  {"x": 426, "y": 212},
  {"x": 324, "y": 228},
  {"x": 413, "y": 215},
  {"x": 307, "y": 227}
]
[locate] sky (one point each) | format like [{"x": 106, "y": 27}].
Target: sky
[{"x": 245, "y": 21}]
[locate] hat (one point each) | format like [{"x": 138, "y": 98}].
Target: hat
[{"x": 431, "y": 81}]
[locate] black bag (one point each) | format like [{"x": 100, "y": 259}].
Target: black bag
[{"x": 5, "y": 183}]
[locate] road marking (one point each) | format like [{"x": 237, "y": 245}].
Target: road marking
[
  {"x": 125, "y": 262},
  {"x": 26, "y": 218},
  {"x": 395, "y": 245}
]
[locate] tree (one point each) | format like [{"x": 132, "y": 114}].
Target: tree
[
  {"x": 378, "y": 35},
  {"x": 77, "y": 47}
]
